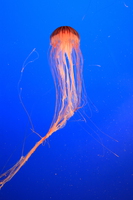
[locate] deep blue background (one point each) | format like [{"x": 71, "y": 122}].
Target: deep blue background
[{"x": 72, "y": 164}]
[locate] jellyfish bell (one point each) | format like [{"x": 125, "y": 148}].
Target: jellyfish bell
[{"x": 63, "y": 36}]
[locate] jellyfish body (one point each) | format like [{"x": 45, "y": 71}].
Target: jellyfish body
[{"x": 66, "y": 66}]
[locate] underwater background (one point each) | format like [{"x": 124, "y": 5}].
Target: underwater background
[{"x": 79, "y": 161}]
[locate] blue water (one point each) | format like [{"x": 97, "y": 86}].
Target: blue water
[{"x": 76, "y": 162}]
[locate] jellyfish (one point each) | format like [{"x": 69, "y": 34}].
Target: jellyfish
[{"x": 66, "y": 63}]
